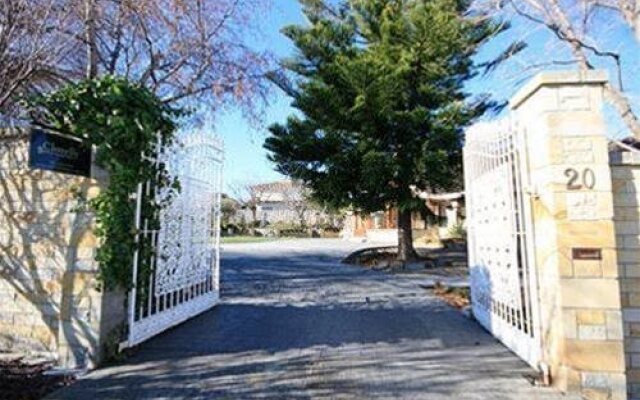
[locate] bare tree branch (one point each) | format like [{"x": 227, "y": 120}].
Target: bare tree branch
[
  {"x": 185, "y": 51},
  {"x": 34, "y": 56},
  {"x": 571, "y": 24}
]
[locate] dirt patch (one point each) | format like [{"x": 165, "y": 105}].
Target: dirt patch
[
  {"x": 448, "y": 261},
  {"x": 458, "y": 297},
  {"x": 374, "y": 257},
  {"x": 20, "y": 380}
]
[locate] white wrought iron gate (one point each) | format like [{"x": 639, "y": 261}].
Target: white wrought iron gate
[
  {"x": 181, "y": 252},
  {"x": 501, "y": 260}
]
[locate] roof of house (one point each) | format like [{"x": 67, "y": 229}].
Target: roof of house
[
  {"x": 441, "y": 196},
  {"x": 435, "y": 197},
  {"x": 278, "y": 191},
  {"x": 274, "y": 186}
]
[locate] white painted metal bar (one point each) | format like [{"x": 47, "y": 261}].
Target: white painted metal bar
[
  {"x": 186, "y": 253},
  {"x": 532, "y": 274},
  {"x": 503, "y": 284},
  {"x": 133, "y": 291}
]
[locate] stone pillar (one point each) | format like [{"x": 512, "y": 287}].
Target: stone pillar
[
  {"x": 625, "y": 168},
  {"x": 49, "y": 301},
  {"x": 573, "y": 229}
]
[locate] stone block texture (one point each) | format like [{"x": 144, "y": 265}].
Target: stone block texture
[
  {"x": 625, "y": 167},
  {"x": 573, "y": 210},
  {"x": 48, "y": 289}
]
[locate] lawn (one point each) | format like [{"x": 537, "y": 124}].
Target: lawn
[{"x": 246, "y": 239}]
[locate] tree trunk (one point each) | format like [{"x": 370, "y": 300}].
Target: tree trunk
[
  {"x": 303, "y": 220},
  {"x": 406, "y": 252},
  {"x": 90, "y": 39},
  {"x": 254, "y": 215},
  {"x": 254, "y": 220}
]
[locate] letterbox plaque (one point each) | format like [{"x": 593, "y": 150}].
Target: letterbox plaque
[
  {"x": 584, "y": 253},
  {"x": 58, "y": 153}
]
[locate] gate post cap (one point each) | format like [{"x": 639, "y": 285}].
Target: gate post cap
[{"x": 557, "y": 78}]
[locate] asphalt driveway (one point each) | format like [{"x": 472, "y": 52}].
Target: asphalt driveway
[{"x": 296, "y": 324}]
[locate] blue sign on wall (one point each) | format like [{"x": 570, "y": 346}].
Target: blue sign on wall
[{"x": 57, "y": 153}]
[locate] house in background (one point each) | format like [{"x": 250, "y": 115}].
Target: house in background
[
  {"x": 283, "y": 201},
  {"x": 447, "y": 210},
  {"x": 448, "y": 207}
]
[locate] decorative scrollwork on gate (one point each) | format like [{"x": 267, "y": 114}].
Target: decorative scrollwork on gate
[
  {"x": 184, "y": 242},
  {"x": 184, "y": 277}
]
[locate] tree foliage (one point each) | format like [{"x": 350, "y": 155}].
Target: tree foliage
[
  {"x": 379, "y": 86},
  {"x": 182, "y": 50},
  {"x": 123, "y": 121}
]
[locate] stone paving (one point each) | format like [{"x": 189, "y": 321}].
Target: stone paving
[{"x": 296, "y": 324}]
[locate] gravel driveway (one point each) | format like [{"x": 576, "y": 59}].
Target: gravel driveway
[{"x": 296, "y": 324}]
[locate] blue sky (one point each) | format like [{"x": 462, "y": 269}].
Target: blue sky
[{"x": 246, "y": 159}]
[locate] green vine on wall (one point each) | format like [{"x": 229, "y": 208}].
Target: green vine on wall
[{"x": 123, "y": 121}]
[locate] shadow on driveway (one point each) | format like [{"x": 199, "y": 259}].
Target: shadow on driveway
[{"x": 295, "y": 324}]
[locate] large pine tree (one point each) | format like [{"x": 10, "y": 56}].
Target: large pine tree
[{"x": 378, "y": 86}]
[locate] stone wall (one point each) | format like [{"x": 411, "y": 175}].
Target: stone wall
[
  {"x": 626, "y": 188},
  {"x": 574, "y": 233},
  {"x": 48, "y": 289}
]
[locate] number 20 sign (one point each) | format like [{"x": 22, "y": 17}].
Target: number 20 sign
[{"x": 579, "y": 179}]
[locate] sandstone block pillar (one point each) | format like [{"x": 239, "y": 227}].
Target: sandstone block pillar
[{"x": 575, "y": 243}]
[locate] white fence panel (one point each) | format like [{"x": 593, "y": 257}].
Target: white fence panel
[
  {"x": 501, "y": 260},
  {"x": 183, "y": 250}
]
